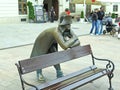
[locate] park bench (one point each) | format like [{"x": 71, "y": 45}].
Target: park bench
[{"x": 71, "y": 81}]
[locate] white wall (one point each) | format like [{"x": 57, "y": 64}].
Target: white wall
[
  {"x": 109, "y": 8},
  {"x": 94, "y": 7},
  {"x": 60, "y": 6},
  {"x": 79, "y": 7},
  {"x": 8, "y": 8},
  {"x": 63, "y": 5}
]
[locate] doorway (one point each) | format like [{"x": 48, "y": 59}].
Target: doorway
[{"x": 47, "y": 4}]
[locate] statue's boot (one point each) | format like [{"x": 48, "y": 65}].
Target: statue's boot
[{"x": 58, "y": 71}]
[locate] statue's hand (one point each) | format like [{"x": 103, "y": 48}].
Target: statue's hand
[
  {"x": 75, "y": 40},
  {"x": 66, "y": 38},
  {"x": 75, "y": 43}
]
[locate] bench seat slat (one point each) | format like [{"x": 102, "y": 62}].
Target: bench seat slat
[
  {"x": 84, "y": 81},
  {"x": 70, "y": 79},
  {"x": 58, "y": 80},
  {"x": 73, "y": 80}
]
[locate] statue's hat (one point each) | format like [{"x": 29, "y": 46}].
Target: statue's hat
[{"x": 65, "y": 19}]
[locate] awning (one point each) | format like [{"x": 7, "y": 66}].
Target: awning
[{"x": 89, "y": 2}]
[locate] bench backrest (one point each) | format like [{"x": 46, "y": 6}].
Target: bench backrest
[{"x": 51, "y": 59}]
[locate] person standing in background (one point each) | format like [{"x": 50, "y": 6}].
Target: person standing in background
[
  {"x": 45, "y": 15},
  {"x": 52, "y": 14},
  {"x": 94, "y": 22},
  {"x": 119, "y": 31},
  {"x": 101, "y": 14},
  {"x": 67, "y": 11}
]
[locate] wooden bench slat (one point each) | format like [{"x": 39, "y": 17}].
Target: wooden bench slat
[
  {"x": 73, "y": 80},
  {"x": 84, "y": 81},
  {"x": 33, "y": 64}
]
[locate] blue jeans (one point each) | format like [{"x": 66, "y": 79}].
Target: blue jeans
[
  {"x": 94, "y": 25},
  {"x": 100, "y": 27}
]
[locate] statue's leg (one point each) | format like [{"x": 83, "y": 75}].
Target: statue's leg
[
  {"x": 38, "y": 72},
  {"x": 58, "y": 70},
  {"x": 40, "y": 75},
  {"x": 54, "y": 48}
]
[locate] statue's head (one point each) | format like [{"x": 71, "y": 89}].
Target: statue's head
[
  {"x": 65, "y": 19},
  {"x": 65, "y": 22}
]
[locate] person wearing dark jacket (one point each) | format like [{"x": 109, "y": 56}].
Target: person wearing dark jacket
[
  {"x": 67, "y": 11},
  {"x": 94, "y": 22},
  {"x": 52, "y": 14},
  {"x": 119, "y": 31},
  {"x": 101, "y": 14}
]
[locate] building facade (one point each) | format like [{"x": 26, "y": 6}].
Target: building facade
[
  {"x": 109, "y": 7},
  {"x": 16, "y": 11}
]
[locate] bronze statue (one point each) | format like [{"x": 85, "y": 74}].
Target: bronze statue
[{"x": 48, "y": 40}]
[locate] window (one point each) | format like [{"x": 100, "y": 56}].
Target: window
[
  {"x": 22, "y": 5},
  {"x": 115, "y": 8}
]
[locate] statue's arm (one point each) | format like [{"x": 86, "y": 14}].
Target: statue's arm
[
  {"x": 66, "y": 44},
  {"x": 76, "y": 42}
]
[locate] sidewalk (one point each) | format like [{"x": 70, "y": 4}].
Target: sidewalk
[
  {"x": 103, "y": 46},
  {"x": 22, "y": 34}
]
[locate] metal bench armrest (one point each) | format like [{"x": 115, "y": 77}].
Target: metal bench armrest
[{"x": 22, "y": 80}]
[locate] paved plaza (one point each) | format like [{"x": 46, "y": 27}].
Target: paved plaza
[
  {"x": 25, "y": 33},
  {"x": 16, "y": 42}
]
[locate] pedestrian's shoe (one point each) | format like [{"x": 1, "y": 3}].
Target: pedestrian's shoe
[
  {"x": 96, "y": 34},
  {"x": 59, "y": 73},
  {"x": 40, "y": 77},
  {"x": 91, "y": 34},
  {"x": 118, "y": 36}
]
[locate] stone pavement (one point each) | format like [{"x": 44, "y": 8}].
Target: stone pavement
[
  {"x": 104, "y": 46},
  {"x": 25, "y": 33}
]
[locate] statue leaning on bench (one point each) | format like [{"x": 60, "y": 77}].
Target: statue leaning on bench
[{"x": 48, "y": 40}]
